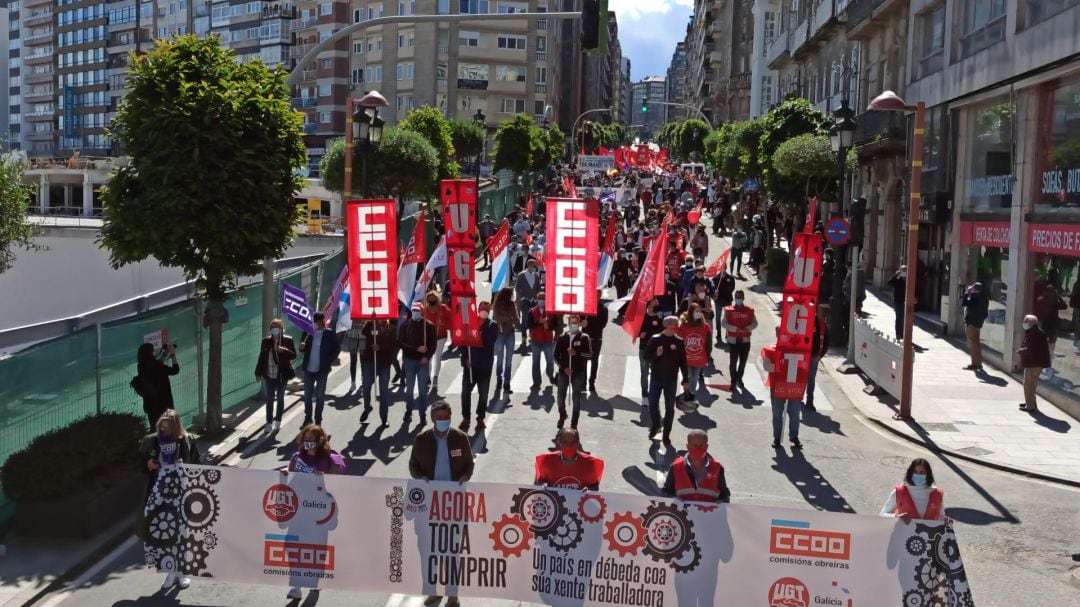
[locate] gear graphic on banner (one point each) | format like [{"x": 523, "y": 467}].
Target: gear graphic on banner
[
  {"x": 625, "y": 533},
  {"x": 510, "y": 536},
  {"x": 592, "y": 508}
]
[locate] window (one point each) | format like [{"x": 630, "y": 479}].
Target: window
[
  {"x": 401, "y": 71},
  {"x": 510, "y": 73},
  {"x": 984, "y": 25},
  {"x": 253, "y": 7},
  {"x": 513, "y": 106},
  {"x": 358, "y": 15},
  {"x": 410, "y": 71},
  {"x": 326, "y": 9},
  {"x": 378, "y": 73},
  {"x": 324, "y": 117},
  {"x": 517, "y": 43},
  {"x": 324, "y": 90},
  {"x": 472, "y": 71},
  {"x": 989, "y": 179},
  {"x": 933, "y": 41},
  {"x": 541, "y": 44},
  {"x": 379, "y": 9},
  {"x": 538, "y": 108},
  {"x": 369, "y": 74},
  {"x": 770, "y": 31},
  {"x": 357, "y": 76},
  {"x": 1040, "y": 10},
  {"x": 471, "y": 39},
  {"x": 441, "y": 71},
  {"x": 506, "y": 7},
  {"x": 444, "y": 7},
  {"x": 370, "y": 12},
  {"x": 326, "y": 64},
  {"x": 404, "y": 104},
  {"x": 358, "y": 48},
  {"x": 473, "y": 7}
]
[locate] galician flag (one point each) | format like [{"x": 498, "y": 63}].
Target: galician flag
[
  {"x": 344, "y": 319},
  {"x": 500, "y": 257},
  {"x": 438, "y": 260},
  {"x": 413, "y": 256},
  {"x": 607, "y": 254}
]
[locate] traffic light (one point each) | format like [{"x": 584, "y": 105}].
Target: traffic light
[
  {"x": 644, "y": 105},
  {"x": 590, "y": 24}
]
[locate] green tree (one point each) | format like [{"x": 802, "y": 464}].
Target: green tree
[
  {"x": 468, "y": 139},
  {"x": 430, "y": 123},
  {"x": 809, "y": 160},
  {"x": 668, "y": 136},
  {"x": 516, "y": 145},
  {"x": 690, "y": 139},
  {"x": 15, "y": 231},
  {"x": 789, "y": 119},
  {"x": 554, "y": 141},
  {"x": 403, "y": 165},
  {"x": 215, "y": 156}
]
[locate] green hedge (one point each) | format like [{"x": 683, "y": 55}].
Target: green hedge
[{"x": 76, "y": 459}]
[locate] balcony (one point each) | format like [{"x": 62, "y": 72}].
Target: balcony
[
  {"x": 39, "y": 57},
  {"x": 540, "y": 87},
  {"x": 879, "y": 128},
  {"x": 46, "y": 35},
  {"x": 541, "y": 55},
  {"x": 37, "y": 116},
  {"x": 779, "y": 51},
  {"x": 309, "y": 129},
  {"x": 300, "y": 50},
  {"x": 39, "y": 94},
  {"x": 864, "y": 17},
  {"x": 38, "y": 18},
  {"x": 716, "y": 58},
  {"x": 39, "y": 136},
  {"x": 301, "y": 102},
  {"x": 38, "y": 77},
  {"x": 305, "y": 23},
  {"x": 308, "y": 75}
]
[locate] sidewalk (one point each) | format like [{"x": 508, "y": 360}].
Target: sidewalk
[
  {"x": 33, "y": 566},
  {"x": 972, "y": 416}
]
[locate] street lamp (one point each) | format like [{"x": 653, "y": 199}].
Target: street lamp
[
  {"x": 362, "y": 123},
  {"x": 481, "y": 121},
  {"x": 841, "y": 138},
  {"x": 889, "y": 101}
]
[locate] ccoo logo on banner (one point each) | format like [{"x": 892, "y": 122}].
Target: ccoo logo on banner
[
  {"x": 573, "y": 249},
  {"x": 372, "y": 258},
  {"x": 532, "y": 544},
  {"x": 459, "y": 212}
]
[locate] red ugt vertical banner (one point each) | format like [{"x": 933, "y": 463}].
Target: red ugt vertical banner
[
  {"x": 459, "y": 217},
  {"x": 573, "y": 255},
  {"x": 372, "y": 258},
  {"x": 797, "y": 318}
]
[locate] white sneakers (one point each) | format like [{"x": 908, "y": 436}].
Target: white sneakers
[
  {"x": 175, "y": 579},
  {"x": 294, "y": 593},
  {"x": 644, "y": 402},
  {"x": 276, "y": 426},
  {"x": 269, "y": 427}
]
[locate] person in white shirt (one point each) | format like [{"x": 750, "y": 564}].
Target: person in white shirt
[{"x": 916, "y": 497}]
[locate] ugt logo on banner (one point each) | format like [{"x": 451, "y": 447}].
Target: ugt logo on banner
[
  {"x": 372, "y": 258},
  {"x": 573, "y": 250},
  {"x": 459, "y": 210}
]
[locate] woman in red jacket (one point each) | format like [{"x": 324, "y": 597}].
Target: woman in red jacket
[
  {"x": 438, "y": 314},
  {"x": 695, "y": 333},
  {"x": 916, "y": 497}
]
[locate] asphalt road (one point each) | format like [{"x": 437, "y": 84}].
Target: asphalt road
[{"x": 1016, "y": 535}]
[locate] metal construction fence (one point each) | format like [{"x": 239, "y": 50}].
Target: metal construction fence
[{"x": 57, "y": 382}]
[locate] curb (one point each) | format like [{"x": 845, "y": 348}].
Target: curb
[{"x": 934, "y": 448}]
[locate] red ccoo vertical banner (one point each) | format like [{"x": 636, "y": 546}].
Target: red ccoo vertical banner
[
  {"x": 372, "y": 258},
  {"x": 459, "y": 217},
  {"x": 572, "y": 256}
]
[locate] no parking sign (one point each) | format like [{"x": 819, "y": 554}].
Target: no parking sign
[{"x": 837, "y": 231}]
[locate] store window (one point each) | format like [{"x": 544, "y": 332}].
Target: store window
[
  {"x": 1058, "y": 184},
  {"x": 989, "y": 178}
]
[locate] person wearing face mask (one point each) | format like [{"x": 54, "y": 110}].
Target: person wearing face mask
[
  {"x": 569, "y": 467},
  {"x": 572, "y": 353},
  {"x": 621, "y": 270},
  {"x": 723, "y": 290},
  {"x": 417, "y": 338},
  {"x": 543, "y": 328},
  {"x": 165, "y": 448},
  {"x": 478, "y": 362},
  {"x": 667, "y": 358},
  {"x": 378, "y": 356},
  {"x": 1034, "y": 357},
  {"x": 506, "y": 317},
  {"x": 438, "y": 314},
  {"x": 686, "y": 277},
  {"x": 697, "y": 476},
  {"x": 274, "y": 367},
  {"x": 314, "y": 456},
  {"x": 739, "y": 322},
  {"x": 320, "y": 351},
  {"x": 651, "y": 325},
  {"x": 593, "y": 326},
  {"x": 739, "y": 241},
  {"x": 695, "y": 333},
  {"x": 898, "y": 282},
  {"x": 916, "y": 497},
  {"x": 527, "y": 289}
]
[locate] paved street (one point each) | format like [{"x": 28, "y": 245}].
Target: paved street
[{"x": 1016, "y": 534}]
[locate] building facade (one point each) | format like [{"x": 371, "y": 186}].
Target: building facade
[
  {"x": 676, "y": 82},
  {"x": 626, "y": 93},
  {"x": 654, "y": 88}
]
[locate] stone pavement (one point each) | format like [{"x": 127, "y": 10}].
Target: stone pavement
[{"x": 971, "y": 415}]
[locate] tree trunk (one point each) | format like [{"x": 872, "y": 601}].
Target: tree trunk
[{"x": 214, "y": 318}]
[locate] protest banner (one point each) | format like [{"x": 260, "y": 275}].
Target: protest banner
[
  {"x": 573, "y": 252},
  {"x": 459, "y": 213},
  {"x": 590, "y": 163},
  {"x": 538, "y": 545},
  {"x": 295, "y": 306},
  {"x": 372, "y": 258}
]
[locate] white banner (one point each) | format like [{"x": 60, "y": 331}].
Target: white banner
[
  {"x": 557, "y": 547},
  {"x": 620, "y": 196},
  {"x": 595, "y": 163}
]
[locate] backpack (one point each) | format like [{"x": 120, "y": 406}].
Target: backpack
[{"x": 143, "y": 386}]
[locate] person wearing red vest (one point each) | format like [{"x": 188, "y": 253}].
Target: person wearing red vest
[
  {"x": 697, "y": 476},
  {"x": 916, "y": 497},
  {"x": 778, "y": 368},
  {"x": 569, "y": 467},
  {"x": 438, "y": 314},
  {"x": 739, "y": 322},
  {"x": 695, "y": 333},
  {"x": 542, "y": 328}
]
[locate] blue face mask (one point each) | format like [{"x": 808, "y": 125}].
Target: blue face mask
[
  {"x": 416, "y": 314},
  {"x": 918, "y": 480},
  {"x": 442, "y": 425}
]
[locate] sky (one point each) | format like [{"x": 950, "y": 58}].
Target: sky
[{"x": 649, "y": 31}]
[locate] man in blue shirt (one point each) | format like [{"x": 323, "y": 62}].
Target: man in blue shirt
[{"x": 320, "y": 350}]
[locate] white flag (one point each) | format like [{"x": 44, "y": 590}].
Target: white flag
[{"x": 437, "y": 260}]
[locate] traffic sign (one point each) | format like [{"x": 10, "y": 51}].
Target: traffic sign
[
  {"x": 751, "y": 185},
  {"x": 837, "y": 231}
]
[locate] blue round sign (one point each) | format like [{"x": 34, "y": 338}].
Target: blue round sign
[{"x": 837, "y": 231}]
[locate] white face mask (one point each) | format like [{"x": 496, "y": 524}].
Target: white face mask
[
  {"x": 483, "y": 315},
  {"x": 275, "y": 331},
  {"x": 1027, "y": 326},
  {"x": 698, "y": 316},
  {"x": 701, "y": 295},
  {"x": 573, "y": 328},
  {"x": 738, "y": 302}
]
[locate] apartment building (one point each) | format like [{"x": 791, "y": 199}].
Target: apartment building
[
  {"x": 676, "y": 81},
  {"x": 598, "y": 88},
  {"x": 719, "y": 49},
  {"x": 763, "y": 93},
  {"x": 626, "y": 93},
  {"x": 655, "y": 89}
]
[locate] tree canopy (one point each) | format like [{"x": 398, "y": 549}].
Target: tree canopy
[
  {"x": 430, "y": 123},
  {"x": 403, "y": 165},
  {"x": 467, "y": 137},
  {"x": 15, "y": 231},
  {"x": 522, "y": 146},
  {"x": 809, "y": 159}
]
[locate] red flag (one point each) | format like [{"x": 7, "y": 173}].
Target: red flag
[
  {"x": 619, "y": 156},
  {"x": 809, "y": 227},
  {"x": 662, "y": 158},
  {"x": 720, "y": 263},
  {"x": 372, "y": 226},
  {"x": 609, "y": 238},
  {"x": 416, "y": 250},
  {"x": 573, "y": 250},
  {"x": 652, "y": 274},
  {"x": 529, "y": 206}
]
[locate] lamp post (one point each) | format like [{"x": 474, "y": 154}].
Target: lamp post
[
  {"x": 891, "y": 102},
  {"x": 841, "y": 138},
  {"x": 481, "y": 121},
  {"x": 364, "y": 124}
]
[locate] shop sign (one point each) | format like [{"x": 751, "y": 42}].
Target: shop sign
[
  {"x": 1058, "y": 239},
  {"x": 985, "y": 233}
]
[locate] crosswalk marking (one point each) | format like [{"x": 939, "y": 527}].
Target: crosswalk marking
[
  {"x": 521, "y": 381},
  {"x": 631, "y": 387}
]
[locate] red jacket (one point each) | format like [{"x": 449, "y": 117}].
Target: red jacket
[
  {"x": 441, "y": 319},
  {"x": 707, "y": 489},
  {"x": 694, "y": 340},
  {"x": 906, "y": 505},
  {"x": 537, "y": 332}
]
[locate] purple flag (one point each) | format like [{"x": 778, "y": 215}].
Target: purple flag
[{"x": 294, "y": 304}]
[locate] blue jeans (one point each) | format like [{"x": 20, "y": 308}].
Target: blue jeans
[
  {"x": 643, "y": 363},
  {"x": 793, "y": 409},
  {"x": 667, "y": 387},
  {"x": 416, "y": 373},
  {"x": 275, "y": 391},
  {"x": 368, "y": 373},
  {"x": 811, "y": 379},
  {"x": 504, "y": 356},
  {"x": 549, "y": 354},
  {"x": 697, "y": 378},
  {"x": 314, "y": 384}
]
